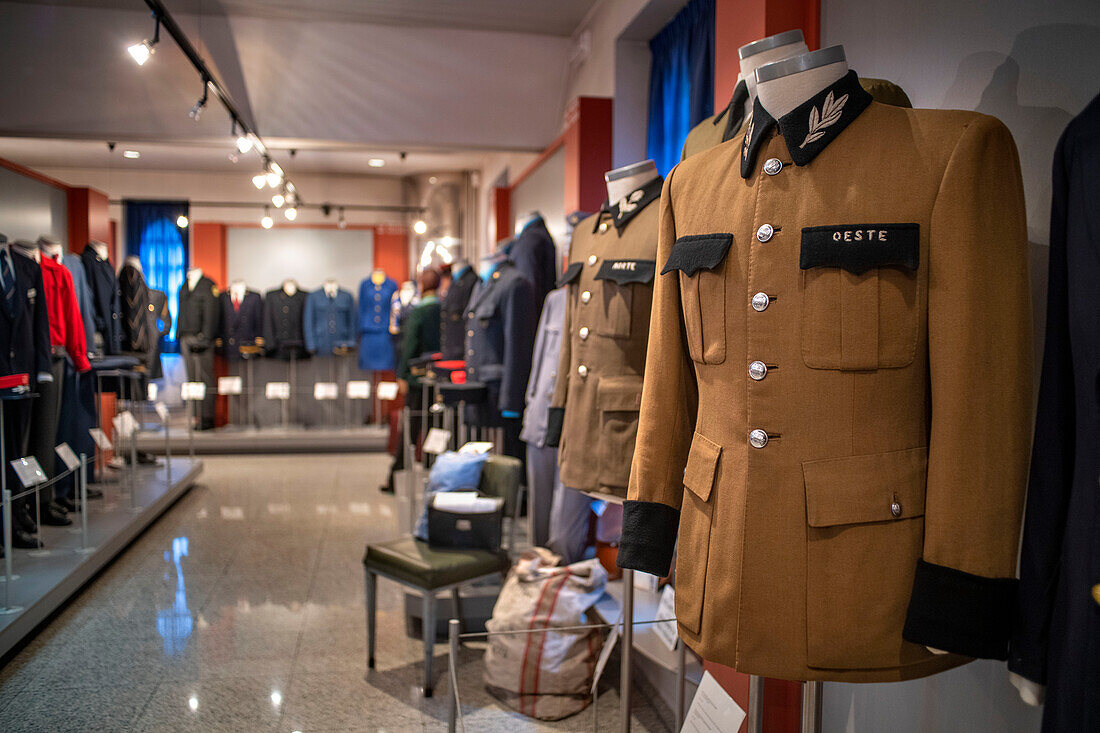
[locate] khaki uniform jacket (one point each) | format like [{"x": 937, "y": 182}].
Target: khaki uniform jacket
[
  {"x": 835, "y": 414},
  {"x": 728, "y": 123},
  {"x": 599, "y": 385}
]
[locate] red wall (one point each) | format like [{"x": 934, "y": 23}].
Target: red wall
[
  {"x": 391, "y": 251},
  {"x": 737, "y": 22},
  {"x": 208, "y": 240}
]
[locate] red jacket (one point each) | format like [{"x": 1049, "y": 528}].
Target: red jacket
[{"x": 66, "y": 324}]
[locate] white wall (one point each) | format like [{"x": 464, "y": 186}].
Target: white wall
[
  {"x": 30, "y": 208},
  {"x": 1034, "y": 65},
  {"x": 264, "y": 258},
  {"x": 544, "y": 191}
]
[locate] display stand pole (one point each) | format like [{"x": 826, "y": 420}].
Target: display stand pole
[
  {"x": 191, "y": 429},
  {"x": 8, "y": 609},
  {"x": 292, "y": 402},
  {"x": 453, "y": 711},
  {"x": 344, "y": 389},
  {"x": 811, "y": 707},
  {"x": 756, "y": 704},
  {"x": 167, "y": 453},
  {"x": 681, "y": 670},
  {"x": 82, "y": 488},
  {"x": 249, "y": 372},
  {"x": 627, "y": 647},
  {"x": 133, "y": 466}
]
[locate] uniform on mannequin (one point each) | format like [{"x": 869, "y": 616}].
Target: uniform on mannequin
[
  {"x": 622, "y": 182},
  {"x": 237, "y": 290},
  {"x": 193, "y": 277},
  {"x": 331, "y": 287},
  {"x": 100, "y": 248},
  {"x": 135, "y": 262}
]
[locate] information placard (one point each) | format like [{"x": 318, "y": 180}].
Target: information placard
[
  {"x": 193, "y": 391},
  {"x": 125, "y": 424},
  {"x": 162, "y": 412},
  {"x": 325, "y": 391},
  {"x": 277, "y": 390},
  {"x": 65, "y": 453},
  {"x": 712, "y": 710},
  {"x": 230, "y": 385},
  {"x": 28, "y": 471},
  {"x": 387, "y": 390},
  {"x": 666, "y": 608},
  {"x": 101, "y": 439},
  {"x": 437, "y": 441},
  {"x": 359, "y": 389},
  {"x": 151, "y": 391}
]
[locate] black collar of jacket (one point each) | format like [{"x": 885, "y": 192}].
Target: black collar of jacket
[
  {"x": 734, "y": 113},
  {"x": 626, "y": 208},
  {"x": 811, "y": 126}
]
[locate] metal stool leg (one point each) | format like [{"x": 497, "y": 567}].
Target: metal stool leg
[
  {"x": 456, "y": 601},
  {"x": 372, "y": 596},
  {"x": 429, "y": 640}
]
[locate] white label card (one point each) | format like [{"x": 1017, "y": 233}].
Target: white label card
[
  {"x": 647, "y": 582},
  {"x": 151, "y": 391},
  {"x": 359, "y": 390},
  {"x": 437, "y": 441},
  {"x": 325, "y": 391},
  {"x": 230, "y": 385},
  {"x": 666, "y": 608},
  {"x": 65, "y": 453},
  {"x": 29, "y": 472},
  {"x": 193, "y": 391},
  {"x": 712, "y": 710},
  {"x": 277, "y": 390},
  {"x": 101, "y": 439},
  {"x": 387, "y": 390},
  {"x": 476, "y": 447},
  {"x": 162, "y": 412},
  {"x": 125, "y": 424}
]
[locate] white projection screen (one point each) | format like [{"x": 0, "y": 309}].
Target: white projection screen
[{"x": 264, "y": 258}]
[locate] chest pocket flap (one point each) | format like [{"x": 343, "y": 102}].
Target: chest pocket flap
[
  {"x": 570, "y": 275},
  {"x": 625, "y": 272},
  {"x": 701, "y": 260}
]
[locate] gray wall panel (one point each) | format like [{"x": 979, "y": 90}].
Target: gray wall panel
[{"x": 30, "y": 208}]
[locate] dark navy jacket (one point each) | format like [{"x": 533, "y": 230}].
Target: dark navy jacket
[
  {"x": 1057, "y": 636},
  {"x": 453, "y": 314},
  {"x": 241, "y": 326},
  {"x": 535, "y": 256},
  {"x": 502, "y": 318},
  {"x": 329, "y": 322},
  {"x": 284, "y": 335},
  {"x": 25, "y": 335},
  {"x": 106, "y": 299}
]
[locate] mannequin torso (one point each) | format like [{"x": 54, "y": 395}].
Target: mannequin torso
[
  {"x": 100, "y": 249},
  {"x": 135, "y": 262},
  {"x": 331, "y": 288}
]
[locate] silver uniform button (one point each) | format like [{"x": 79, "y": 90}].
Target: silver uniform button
[
  {"x": 584, "y": 332},
  {"x": 758, "y": 370},
  {"x": 765, "y": 232},
  {"x": 470, "y": 332},
  {"x": 773, "y": 166},
  {"x": 895, "y": 507},
  {"x": 758, "y": 438},
  {"x": 603, "y": 227},
  {"x": 760, "y": 302},
  {"x": 582, "y": 370},
  {"x": 592, "y": 259},
  {"x": 586, "y": 296}
]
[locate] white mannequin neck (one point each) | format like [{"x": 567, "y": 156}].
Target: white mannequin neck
[
  {"x": 780, "y": 96},
  {"x": 28, "y": 250},
  {"x": 378, "y": 277},
  {"x": 523, "y": 221},
  {"x": 53, "y": 250},
  {"x": 237, "y": 289},
  {"x": 331, "y": 288},
  {"x": 752, "y": 63},
  {"x": 622, "y": 182},
  {"x": 100, "y": 249},
  {"x": 193, "y": 277},
  {"x": 290, "y": 287},
  {"x": 135, "y": 262}
]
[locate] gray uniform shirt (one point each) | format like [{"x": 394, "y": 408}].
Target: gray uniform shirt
[{"x": 540, "y": 387}]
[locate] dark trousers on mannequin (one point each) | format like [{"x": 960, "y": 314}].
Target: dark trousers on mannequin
[
  {"x": 45, "y": 416},
  {"x": 198, "y": 358},
  {"x": 77, "y": 418},
  {"x": 542, "y": 477},
  {"x": 569, "y": 518},
  {"x": 17, "y": 427}
]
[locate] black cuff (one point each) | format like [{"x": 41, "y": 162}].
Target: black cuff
[
  {"x": 960, "y": 613},
  {"x": 554, "y": 422},
  {"x": 649, "y": 537}
]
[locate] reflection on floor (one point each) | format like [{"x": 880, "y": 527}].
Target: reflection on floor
[{"x": 241, "y": 609}]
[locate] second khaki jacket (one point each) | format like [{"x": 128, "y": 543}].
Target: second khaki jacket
[
  {"x": 599, "y": 385},
  {"x": 836, "y": 409}
]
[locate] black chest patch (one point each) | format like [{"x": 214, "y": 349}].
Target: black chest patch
[
  {"x": 625, "y": 272},
  {"x": 861, "y": 247}
]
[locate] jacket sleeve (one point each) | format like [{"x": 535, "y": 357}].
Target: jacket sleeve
[
  {"x": 75, "y": 342},
  {"x": 307, "y": 324},
  {"x": 410, "y": 343},
  {"x": 555, "y": 419},
  {"x": 980, "y": 369},
  {"x": 42, "y": 346},
  {"x": 651, "y": 514},
  {"x": 212, "y": 317},
  {"x": 270, "y": 342},
  {"x": 1052, "y": 457},
  {"x": 536, "y": 359},
  {"x": 519, "y": 339}
]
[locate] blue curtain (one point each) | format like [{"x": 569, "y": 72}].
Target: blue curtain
[
  {"x": 154, "y": 236},
  {"x": 681, "y": 81}
]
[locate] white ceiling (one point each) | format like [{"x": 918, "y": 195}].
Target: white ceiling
[
  {"x": 341, "y": 80},
  {"x": 548, "y": 17}
]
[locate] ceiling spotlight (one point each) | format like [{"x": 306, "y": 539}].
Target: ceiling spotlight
[
  {"x": 267, "y": 222},
  {"x": 259, "y": 181},
  {"x": 278, "y": 200},
  {"x": 244, "y": 143},
  {"x": 341, "y": 223},
  {"x": 376, "y": 162},
  {"x": 274, "y": 179},
  {"x": 131, "y": 154},
  {"x": 291, "y": 213},
  {"x": 200, "y": 105},
  {"x": 420, "y": 226},
  {"x": 290, "y": 186},
  {"x": 182, "y": 222},
  {"x": 140, "y": 52}
]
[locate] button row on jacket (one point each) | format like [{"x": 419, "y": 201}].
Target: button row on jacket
[{"x": 586, "y": 296}]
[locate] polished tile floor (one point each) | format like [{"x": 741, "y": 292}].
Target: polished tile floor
[{"x": 241, "y": 609}]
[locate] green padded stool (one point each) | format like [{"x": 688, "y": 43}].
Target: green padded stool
[{"x": 416, "y": 564}]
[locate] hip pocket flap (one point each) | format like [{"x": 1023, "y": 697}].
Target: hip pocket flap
[
  {"x": 490, "y": 372},
  {"x": 696, "y": 252},
  {"x": 879, "y": 487},
  {"x": 619, "y": 393},
  {"x": 571, "y": 273},
  {"x": 702, "y": 465}
]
